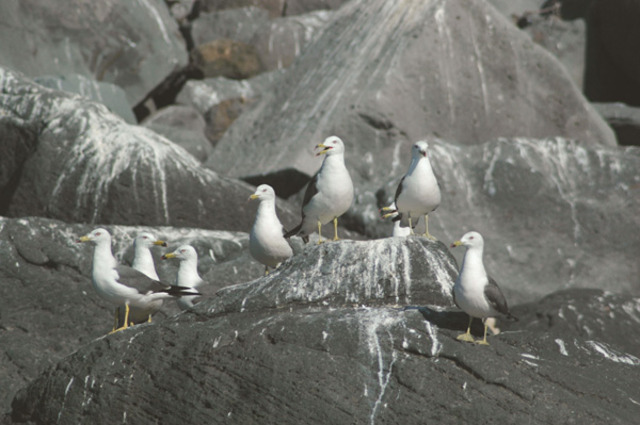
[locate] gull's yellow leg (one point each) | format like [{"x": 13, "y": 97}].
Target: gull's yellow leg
[
  {"x": 466, "y": 336},
  {"x": 335, "y": 229},
  {"x": 266, "y": 270},
  {"x": 126, "y": 320},
  {"x": 149, "y": 319},
  {"x": 484, "y": 340},
  {"x": 319, "y": 233},
  {"x": 426, "y": 228}
]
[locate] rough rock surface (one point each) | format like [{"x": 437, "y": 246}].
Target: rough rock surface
[
  {"x": 110, "y": 95},
  {"x": 277, "y": 41},
  {"x": 48, "y": 307},
  {"x": 113, "y": 172},
  {"x": 184, "y": 126},
  {"x": 133, "y": 44},
  {"x": 553, "y": 202},
  {"x": 274, "y": 7},
  {"x": 227, "y": 58},
  {"x": 334, "y": 363},
  {"x": 382, "y": 84}
]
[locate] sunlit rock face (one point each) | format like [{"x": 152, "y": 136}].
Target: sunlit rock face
[
  {"x": 133, "y": 44},
  {"x": 403, "y": 71},
  {"x": 90, "y": 166}
]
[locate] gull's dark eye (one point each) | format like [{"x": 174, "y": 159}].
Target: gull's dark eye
[
  {"x": 98, "y": 233},
  {"x": 264, "y": 190},
  {"x": 145, "y": 237},
  {"x": 470, "y": 237},
  {"x": 183, "y": 251}
]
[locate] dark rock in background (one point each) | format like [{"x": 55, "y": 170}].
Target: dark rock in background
[
  {"x": 613, "y": 40},
  {"x": 624, "y": 119},
  {"x": 134, "y": 45}
]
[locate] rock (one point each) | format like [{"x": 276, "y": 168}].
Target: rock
[
  {"x": 134, "y": 45},
  {"x": 552, "y": 203},
  {"x": 565, "y": 40},
  {"x": 221, "y": 101},
  {"x": 281, "y": 41},
  {"x": 274, "y": 7},
  {"x": 48, "y": 307},
  {"x": 206, "y": 94},
  {"x": 382, "y": 86},
  {"x": 624, "y": 119},
  {"x": 90, "y": 166},
  {"x": 612, "y": 67},
  {"x": 239, "y": 24},
  {"x": 110, "y": 95},
  {"x": 331, "y": 363},
  {"x": 227, "y": 58},
  {"x": 277, "y": 41},
  {"x": 184, "y": 126}
]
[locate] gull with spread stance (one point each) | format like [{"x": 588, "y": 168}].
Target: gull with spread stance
[
  {"x": 329, "y": 193},
  {"x": 474, "y": 292},
  {"x": 418, "y": 192},
  {"x": 188, "y": 276},
  {"x": 123, "y": 285},
  {"x": 267, "y": 243}
]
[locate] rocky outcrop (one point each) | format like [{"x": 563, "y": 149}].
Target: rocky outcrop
[
  {"x": 134, "y": 45},
  {"x": 48, "y": 307},
  {"x": 87, "y": 165},
  {"x": 306, "y": 357}
]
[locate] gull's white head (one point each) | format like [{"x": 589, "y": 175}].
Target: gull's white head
[
  {"x": 147, "y": 240},
  {"x": 470, "y": 239},
  {"x": 96, "y": 236},
  {"x": 263, "y": 192},
  {"x": 332, "y": 145},
  {"x": 419, "y": 149},
  {"x": 183, "y": 253}
]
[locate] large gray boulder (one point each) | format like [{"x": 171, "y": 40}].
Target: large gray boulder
[
  {"x": 48, "y": 308},
  {"x": 399, "y": 72},
  {"x": 328, "y": 362},
  {"x": 133, "y": 44},
  {"x": 84, "y": 164}
]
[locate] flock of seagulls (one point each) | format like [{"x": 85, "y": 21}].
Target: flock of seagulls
[{"x": 137, "y": 291}]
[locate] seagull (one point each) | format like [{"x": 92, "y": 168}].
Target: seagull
[
  {"x": 329, "y": 193},
  {"x": 143, "y": 262},
  {"x": 120, "y": 284},
  {"x": 474, "y": 292},
  {"x": 188, "y": 276},
  {"x": 398, "y": 230},
  {"x": 418, "y": 192},
  {"x": 266, "y": 240}
]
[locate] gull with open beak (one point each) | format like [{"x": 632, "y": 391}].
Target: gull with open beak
[{"x": 329, "y": 194}]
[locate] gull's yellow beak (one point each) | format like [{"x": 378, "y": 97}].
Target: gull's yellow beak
[
  {"x": 252, "y": 197},
  {"x": 169, "y": 255},
  {"x": 84, "y": 238},
  {"x": 324, "y": 148},
  {"x": 160, "y": 243},
  {"x": 456, "y": 243}
]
